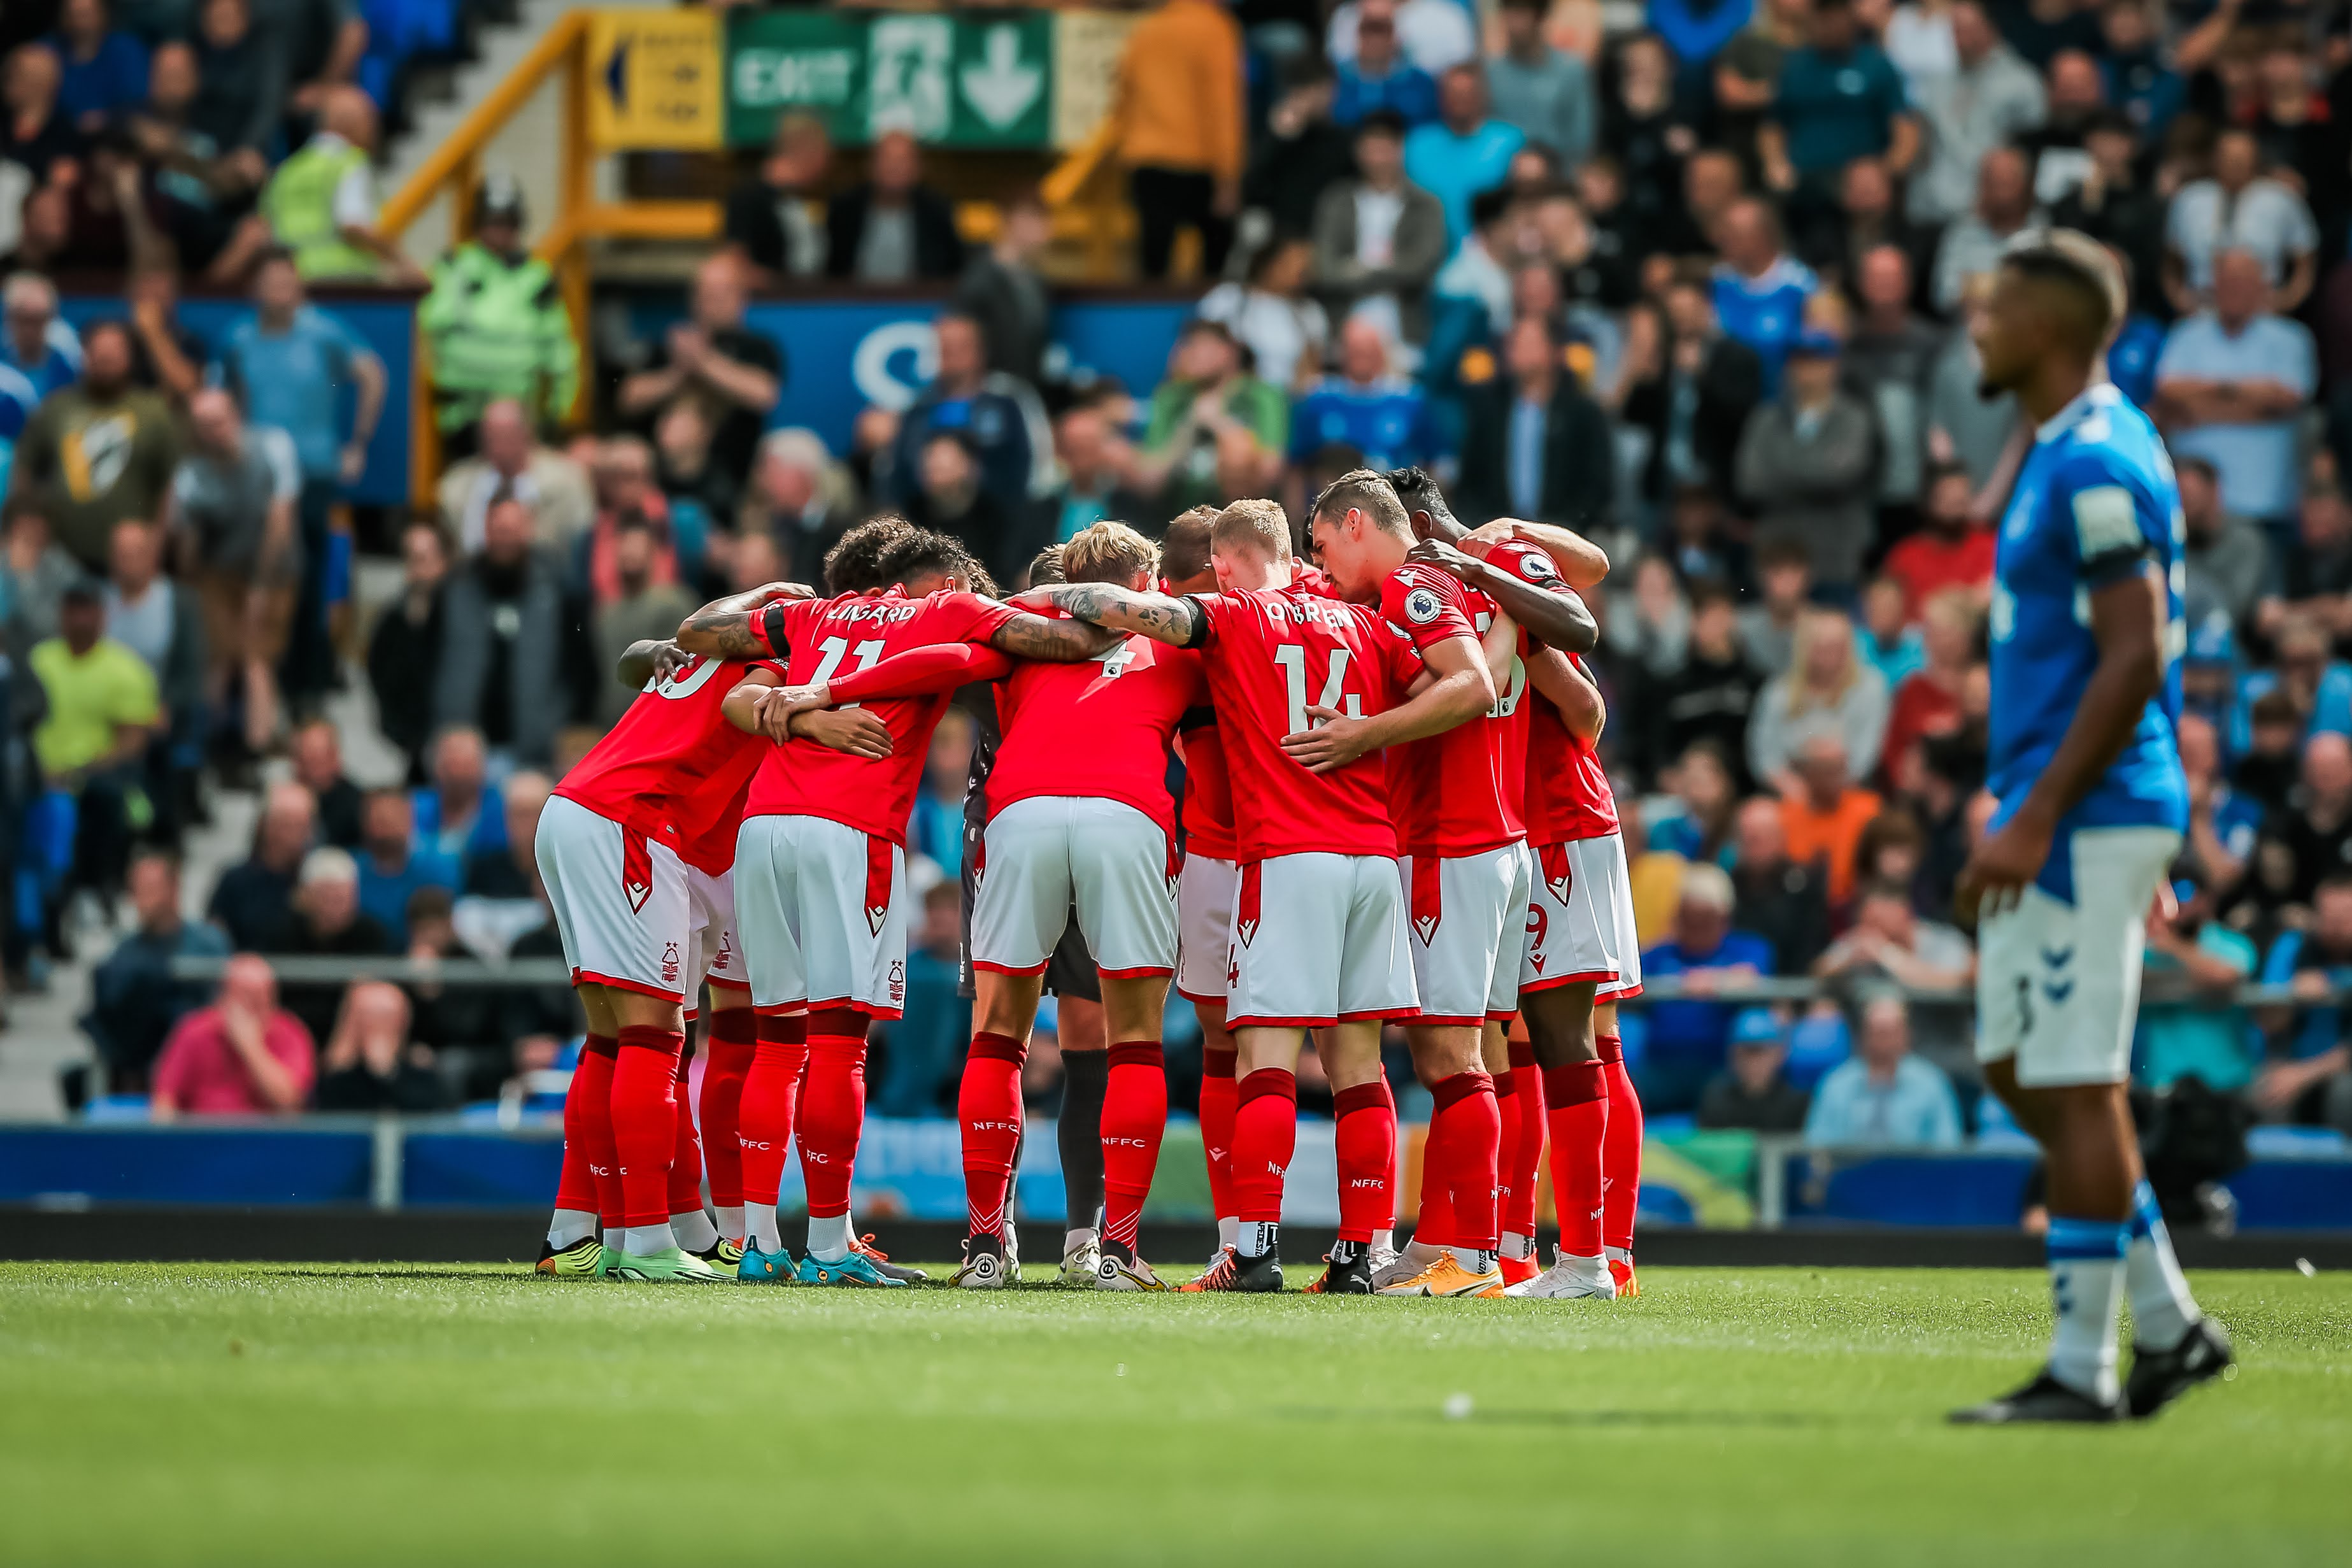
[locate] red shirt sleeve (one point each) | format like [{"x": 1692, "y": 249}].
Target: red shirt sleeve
[
  {"x": 1427, "y": 606},
  {"x": 782, "y": 622},
  {"x": 1527, "y": 561},
  {"x": 922, "y": 673}
]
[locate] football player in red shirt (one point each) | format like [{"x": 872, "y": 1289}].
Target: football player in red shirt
[
  {"x": 1582, "y": 955},
  {"x": 1318, "y": 936},
  {"x": 633, "y": 849},
  {"x": 821, "y": 865}
]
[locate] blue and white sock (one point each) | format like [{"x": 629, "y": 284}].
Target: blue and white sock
[
  {"x": 2086, "y": 1286},
  {"x": 2162, "y": 1309}
]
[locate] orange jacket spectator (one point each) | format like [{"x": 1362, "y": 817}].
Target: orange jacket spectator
[
  {"x": 1823, "y": 816},
  {"x": 1178, "y": 103}
]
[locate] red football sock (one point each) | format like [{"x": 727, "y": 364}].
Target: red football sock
[
  {"x": 1365, "y": 1143},
  {"x": 686, "y": 1148},
  {"x": 832, "y": 1111},
  {"x": 1506, "y": 1111},
  {"x": 1579, "y": 1097},
  {"x": 1433, "y": 1219},
  {"x": 989, "y": 1105},
  {"x": 1265, "y": 1134},
  {"x": 771, "y": 1092},
  {"x": 591, "y": 1181},
  {"x": 1218, "y": 1090},
  {"x": 1134, "y": 1116},
  {"x": 1620, "y": 1154},
  {"x": 1470, "y": 1130},
  {"x": 1523, "y": 1157},
  {"x": 734, "y": 1040},
  {"x": 645, "y": 1119}
]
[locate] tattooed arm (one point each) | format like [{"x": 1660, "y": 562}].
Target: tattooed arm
[
  {"x": 1052, "y": 641},
  {"x": 1179, "y": 623},
  {"x": 723, "y": 628}
]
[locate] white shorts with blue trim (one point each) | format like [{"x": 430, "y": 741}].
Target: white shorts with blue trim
[{"x": 2058, "y": 982}]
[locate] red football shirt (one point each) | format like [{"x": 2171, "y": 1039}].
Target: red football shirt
[
  {"x": 801, "y": 778},
  {"x": 1208, "y": 789},
  {"x": 674, "y": 769},
  {"x": 1272, "y": 654},
  {"x": 1926, "y": 564},
  {"x": 1099, "y": 727},
  {"x": 1458, "y": 793},
  {"x": 1567, "y": 794}
]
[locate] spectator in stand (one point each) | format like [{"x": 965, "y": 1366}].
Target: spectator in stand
[
  {"x": 2240, "y": 208},
  {"x": 1002, "y": 289},
  {"x": 1695, "y": 31},
  {"x": 97, "y": 451},
  {"x": 38, "y": 345},
  {"x": 1747, "y": 73},
  {"x": 1545, "y": 92},
  {"x": 2315, "y": 828},
  {"x": 2232, "y": 382},
  {"x": 770, "y": 223},
  {"x": 1707, "y": 699},
  {"x": 1698, "y": 397},
  {"x": 712, "y": 358},
  {"x": 1706, "y": 544},
  {"x": 316, "y": 753},
  {"x": 950, "y": 500},
  {"x": 1380, "y": 79},
  {"x": 1989, "y": 100},
  {"x": 1839, "y": 98},
  {"x": 1752, "y": 1093},
  {"x": 1824, "y": 812},
  {"x": 1464, "y": 151},
  {"x": 1649, "y": 131},
  {"x": 1889, "y": 939},
  {"x": 623, "y": 478},
  {"x": 2297, "y": 131},
  {"x": 1177, "y": 119},
  {"x": 1215, "y": 433},
  {"x": 501, "y": 672},
  {"x": 404, "y": 650},
  {"x": 1930, "y": 700},
  {"x": 643, "y": 610},
  {"x": 1826, "y": 686},
  {"x": 1304, "y": 151},
  {"x": 1436, "y": 34},
  {"x": 2141, "y": 82},
  {"x": 2116, "y": 204},
  {"x": 2315, "y": 578},
  {"x": 321, "y": 203},
  {"x": 232, "y": 507},
  {"x": 1963, "y": 426},
  {"x": 508, "y": 873},
  {"x": 1378, "y": 238},
  {"x": 801, "y": 499},
  {"x": 1001, "y": 415},
  {"x": 243, "y": 1055},
  {"x": 1952, "y": 552},
  {"x": 1364, "y": 405},
  {"x": 1650, "y": 625},
  {"x": 2223, "y": 826},
  {"x": 1973, "y": 243},
  {"x": 253, "y": 899},
  {"x": 494, "y": 325},
  {"x": 1785, "y": 900},
  {"x": 289, "y": 364},
  {"x": 513, "y": 461},
  {"x": 199, "y": 186},
  {"x": 169, "y": 357},
  {"x": 1095, "y": 462},
  {"x": 323, "y": 40},
  {"x": 1286, "y": 334},
  {"x": 460, "y": 813},
  {"x": 162, "y": 621},
  {"x": 134, "y": 1000},
  {"x": 1918, "y": 40},
  {"x": 393, "y": 865},
  {"x": 1768, "y": 630},
  {"x": 1890, "y": 358},
  {"x": 371, "y": 1064},
  {"x": 329, "y": 923},
  {"x": 102, "y": 711},
  {"x": 2228, "y": 557},
  {"x": 1883, "y": 1097},
  {"x": 1536, "y": 446},
  {"x": 2056, "y": 159},
  {"x": 1705, "y": 954},
  {"x": 1884, "y": 636},
  {"x": 2205, "y": 1036},
  {"x": 33, "y": 576},
  {"x": 2307, "y": 1076},
  {"x": 104, "y": 72},
  {"x": 37, "y": 131},
  {"x": 241, "y": 74},
  {"x": 1760, "y": 293},
  {"x": 1809, "y": 461},
  {"x": 1695, "y": 821}
]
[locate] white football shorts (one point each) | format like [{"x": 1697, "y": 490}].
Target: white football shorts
[
  {"x": 1581, "y": 920},
  {"x": 622, "y": 901},
  {"x": 1317, "y": 939},
  {"x": 1204, "y": 927},
  {"x": 1469, "y": 925},
  {"x": 821, "y": 912},
  {"x": 1049, "y": 854}
]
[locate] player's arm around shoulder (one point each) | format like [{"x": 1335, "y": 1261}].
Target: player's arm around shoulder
[
  {"x": 761, "y": 704},
  {"x": 1558, "y": 682},
  {"x": 1104, "y": 609},
  {"x": 726, "y": 628},
  {"x": 649, "y": 660}
]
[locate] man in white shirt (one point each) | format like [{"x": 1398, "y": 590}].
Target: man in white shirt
[
  {"x": 2229, "y": 385},
  {"x": 1436, "y": 33},
  {"x": 2237, "y": 210}
]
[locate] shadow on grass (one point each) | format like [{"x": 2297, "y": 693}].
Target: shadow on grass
[{"x": 1661, "y": 1419}]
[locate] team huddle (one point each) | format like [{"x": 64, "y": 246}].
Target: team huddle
[{"x": 1425, "y": 836}]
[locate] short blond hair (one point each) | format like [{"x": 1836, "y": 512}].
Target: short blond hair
[
  {"x": 1256, "y": 524},
  {"x": 1109, "y": 552}
]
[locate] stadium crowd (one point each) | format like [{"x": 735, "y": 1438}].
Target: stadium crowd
[{"x": 1701, "y": 290}]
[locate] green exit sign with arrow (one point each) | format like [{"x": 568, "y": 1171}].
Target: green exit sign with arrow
[{"x": 972, "y": 79}]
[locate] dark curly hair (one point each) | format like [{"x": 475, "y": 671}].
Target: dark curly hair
[
  {"x": 920, "y": 553},
  {"x": 855, "y": 565}
]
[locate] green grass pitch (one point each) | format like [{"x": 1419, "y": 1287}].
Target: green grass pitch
[{"x": 308, "y": 1414}]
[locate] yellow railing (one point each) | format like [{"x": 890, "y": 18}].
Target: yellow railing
[{"x": 455, "y": 169}]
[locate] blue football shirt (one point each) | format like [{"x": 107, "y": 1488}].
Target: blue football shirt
[
  {"x": 2094, "y": 502},
  {"x": 1388, "y": 421}
]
